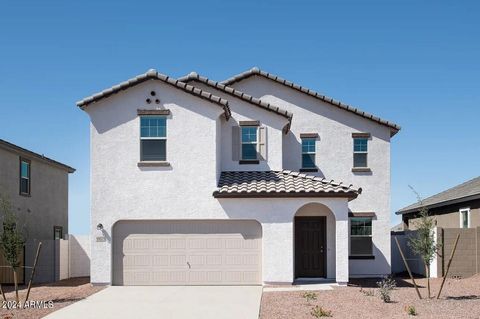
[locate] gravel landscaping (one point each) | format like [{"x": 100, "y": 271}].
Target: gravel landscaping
[
  {"x": 62, "y": 293},
  {"x": 460, "y": 299}
]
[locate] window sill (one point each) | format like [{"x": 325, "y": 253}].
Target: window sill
[
  {"x": 153, "y": 164},
  {"x": 242, "y": 162},
  {"x": 309, "y": 169},
  {"x": 25, "y": 195},
  {"x": 361, "y": 257},
  {"x": 361, "y": 170}
]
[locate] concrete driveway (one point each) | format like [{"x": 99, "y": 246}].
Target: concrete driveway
[{"x": 179, "y": 302}]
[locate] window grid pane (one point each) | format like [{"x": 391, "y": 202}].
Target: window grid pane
[
  {"x": 25, "y": 169},
  {"x": 153, "y": 127},
  {"x": 153, "y": 150},
  {"x": 360, "y": 160},
  {"x": 249, "y": 142},
  {"x": 360, "y": 145},
  {"x": 361, "y": 236},
  {"x": 308, "y": 153}
]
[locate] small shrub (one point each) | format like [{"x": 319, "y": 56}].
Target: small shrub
[
  {"x": 385, "y": 288},
  {"x": 368, "y": 293},
  {"x": 410, "y": 310},
  {"x": 310, "y": 296},
  {"x": 319, "y": 312}
]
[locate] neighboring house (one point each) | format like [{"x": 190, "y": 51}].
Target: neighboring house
[
  {"x": 250, "y": 181},
  {"x": 37, "y": 188},
  {"x": 457, "y": 207}
]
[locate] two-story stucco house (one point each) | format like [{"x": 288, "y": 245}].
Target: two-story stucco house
[
  {"x": 247, "y": 181},
  {"x": 37, "y": 189}
]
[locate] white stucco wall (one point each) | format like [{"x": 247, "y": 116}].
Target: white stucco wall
[
  {"x": 121, "y": 190},
  {"x": 199, "y": 148},
  {"x": 245, "y": 111},
  {"x": 334, "y": 157}
]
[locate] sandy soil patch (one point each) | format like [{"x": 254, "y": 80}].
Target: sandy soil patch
[
  {"x": 62, "y": 293},
  {"x": 460, "y": 299}
]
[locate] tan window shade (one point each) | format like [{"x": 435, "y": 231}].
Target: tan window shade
[
  {"x": 262, "y": 143},
  {"x": 235, "y": 143}
]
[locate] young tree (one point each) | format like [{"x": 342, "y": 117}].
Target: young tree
[
  {"x": 423, "y": 244},
  {"x": 12, "y": 240}
]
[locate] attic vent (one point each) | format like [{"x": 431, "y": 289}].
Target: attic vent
[
  {"x": 148, "y": 101},
  {"x": 153, "y": 93}
]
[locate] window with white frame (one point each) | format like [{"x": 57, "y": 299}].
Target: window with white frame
[
  {"x": 249, "y": 141},
  {"x": 24, "y": 177},
  {"x": 465, "y": 218},
  {"x": 153, "y": 138},
  {"x": 361, "y": 236},
  {"x": 360, "y": 151},
  {"x": 308, "y": 152}
]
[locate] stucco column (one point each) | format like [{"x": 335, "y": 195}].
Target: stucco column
[{"x": 341, "y": 244}]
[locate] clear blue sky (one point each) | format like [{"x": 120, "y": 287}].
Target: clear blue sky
[{"x": 414, "y": 62}]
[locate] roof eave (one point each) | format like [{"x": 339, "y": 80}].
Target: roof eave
[
  {"x": 394, "y": 128},
  {"x": 349, "y": 195},
  {"x": 155, "y": 75},
  {"x": 193, "y": 76},
  {"x": 404, "y": 211},
  {"x": 27, "y": 153}
]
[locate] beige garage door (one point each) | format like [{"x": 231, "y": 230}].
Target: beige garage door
[{"x": 214, "y": 252}]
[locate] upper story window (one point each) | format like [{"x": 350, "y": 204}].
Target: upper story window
[
  {"x": 465, "y": 218},
  {"x": 360, "y": 152},
  {"x": 361, "y": 236},
  {"x": 249, "y": 141},
  {"x": 25, "y": 177},
  {"x": 308, "y": 152},
  {"x": 153, "y": 138}
]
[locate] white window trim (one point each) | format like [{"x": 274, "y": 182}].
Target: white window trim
[
  {"x": 314, "y": 152},
  {"x": 461, "y": 211},
  {"x": 358, "y": 152},
  {"x": 242, "y": 142},
  {"x": 350, "y": 236},
  {"x": 151, "y": 138}
]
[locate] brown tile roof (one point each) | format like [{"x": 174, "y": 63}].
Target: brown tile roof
[
  {"x": 460, "y": 193},
  {"x": 193, "y": 76},
  {"x": 154, "y": 75},
  {"x": 280, "y": 184},
  {"x": 26, "y": 153},
  {"x": 256, "y": 71}
]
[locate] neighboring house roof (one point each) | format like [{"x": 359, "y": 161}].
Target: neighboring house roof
[
  {"x": 154, "y": 75},
  {"x": 193, "y": 76},
  {"x": 280, "y": 184},
  {"x": 397, "y": 228},
  {"x": 22, "y": 151},
  {"x": 461, "y": 193},
  {"x": 394, "y": 128}
]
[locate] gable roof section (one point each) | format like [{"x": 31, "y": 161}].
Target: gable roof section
[
  {"x": 280, "y": 184},
  {"x": 394, "y": 128},
  {"x": 26, "y": 153},
  {"x": 193, "y": 76},
  {"x": 460, "y": 193},
  {"x": 154, "y": 75}
]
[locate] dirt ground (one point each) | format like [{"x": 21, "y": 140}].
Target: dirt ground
[
  {"x": 61, "y": 294},
  {"x": 460, "y": 299}
]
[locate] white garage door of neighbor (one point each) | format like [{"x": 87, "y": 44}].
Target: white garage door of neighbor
[{"x": 194, "y": 252}]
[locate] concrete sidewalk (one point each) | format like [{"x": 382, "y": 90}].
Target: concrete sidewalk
[{"x": 179, "y": 302}]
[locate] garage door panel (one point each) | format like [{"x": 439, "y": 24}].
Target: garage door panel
[{"x": 219, "y": 252}]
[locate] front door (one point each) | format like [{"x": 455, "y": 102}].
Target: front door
[{"x": 310, "y": 246}]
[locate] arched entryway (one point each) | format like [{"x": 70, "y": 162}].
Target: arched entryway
[{"x": 314, "y": 242}]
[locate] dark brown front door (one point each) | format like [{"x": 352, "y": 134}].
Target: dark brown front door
[{"x": 310, "y": 246}]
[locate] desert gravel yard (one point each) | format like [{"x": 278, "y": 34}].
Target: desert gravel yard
[
  {"x": 62, "y": 293},
  {"x": 460, "y": 299}
]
